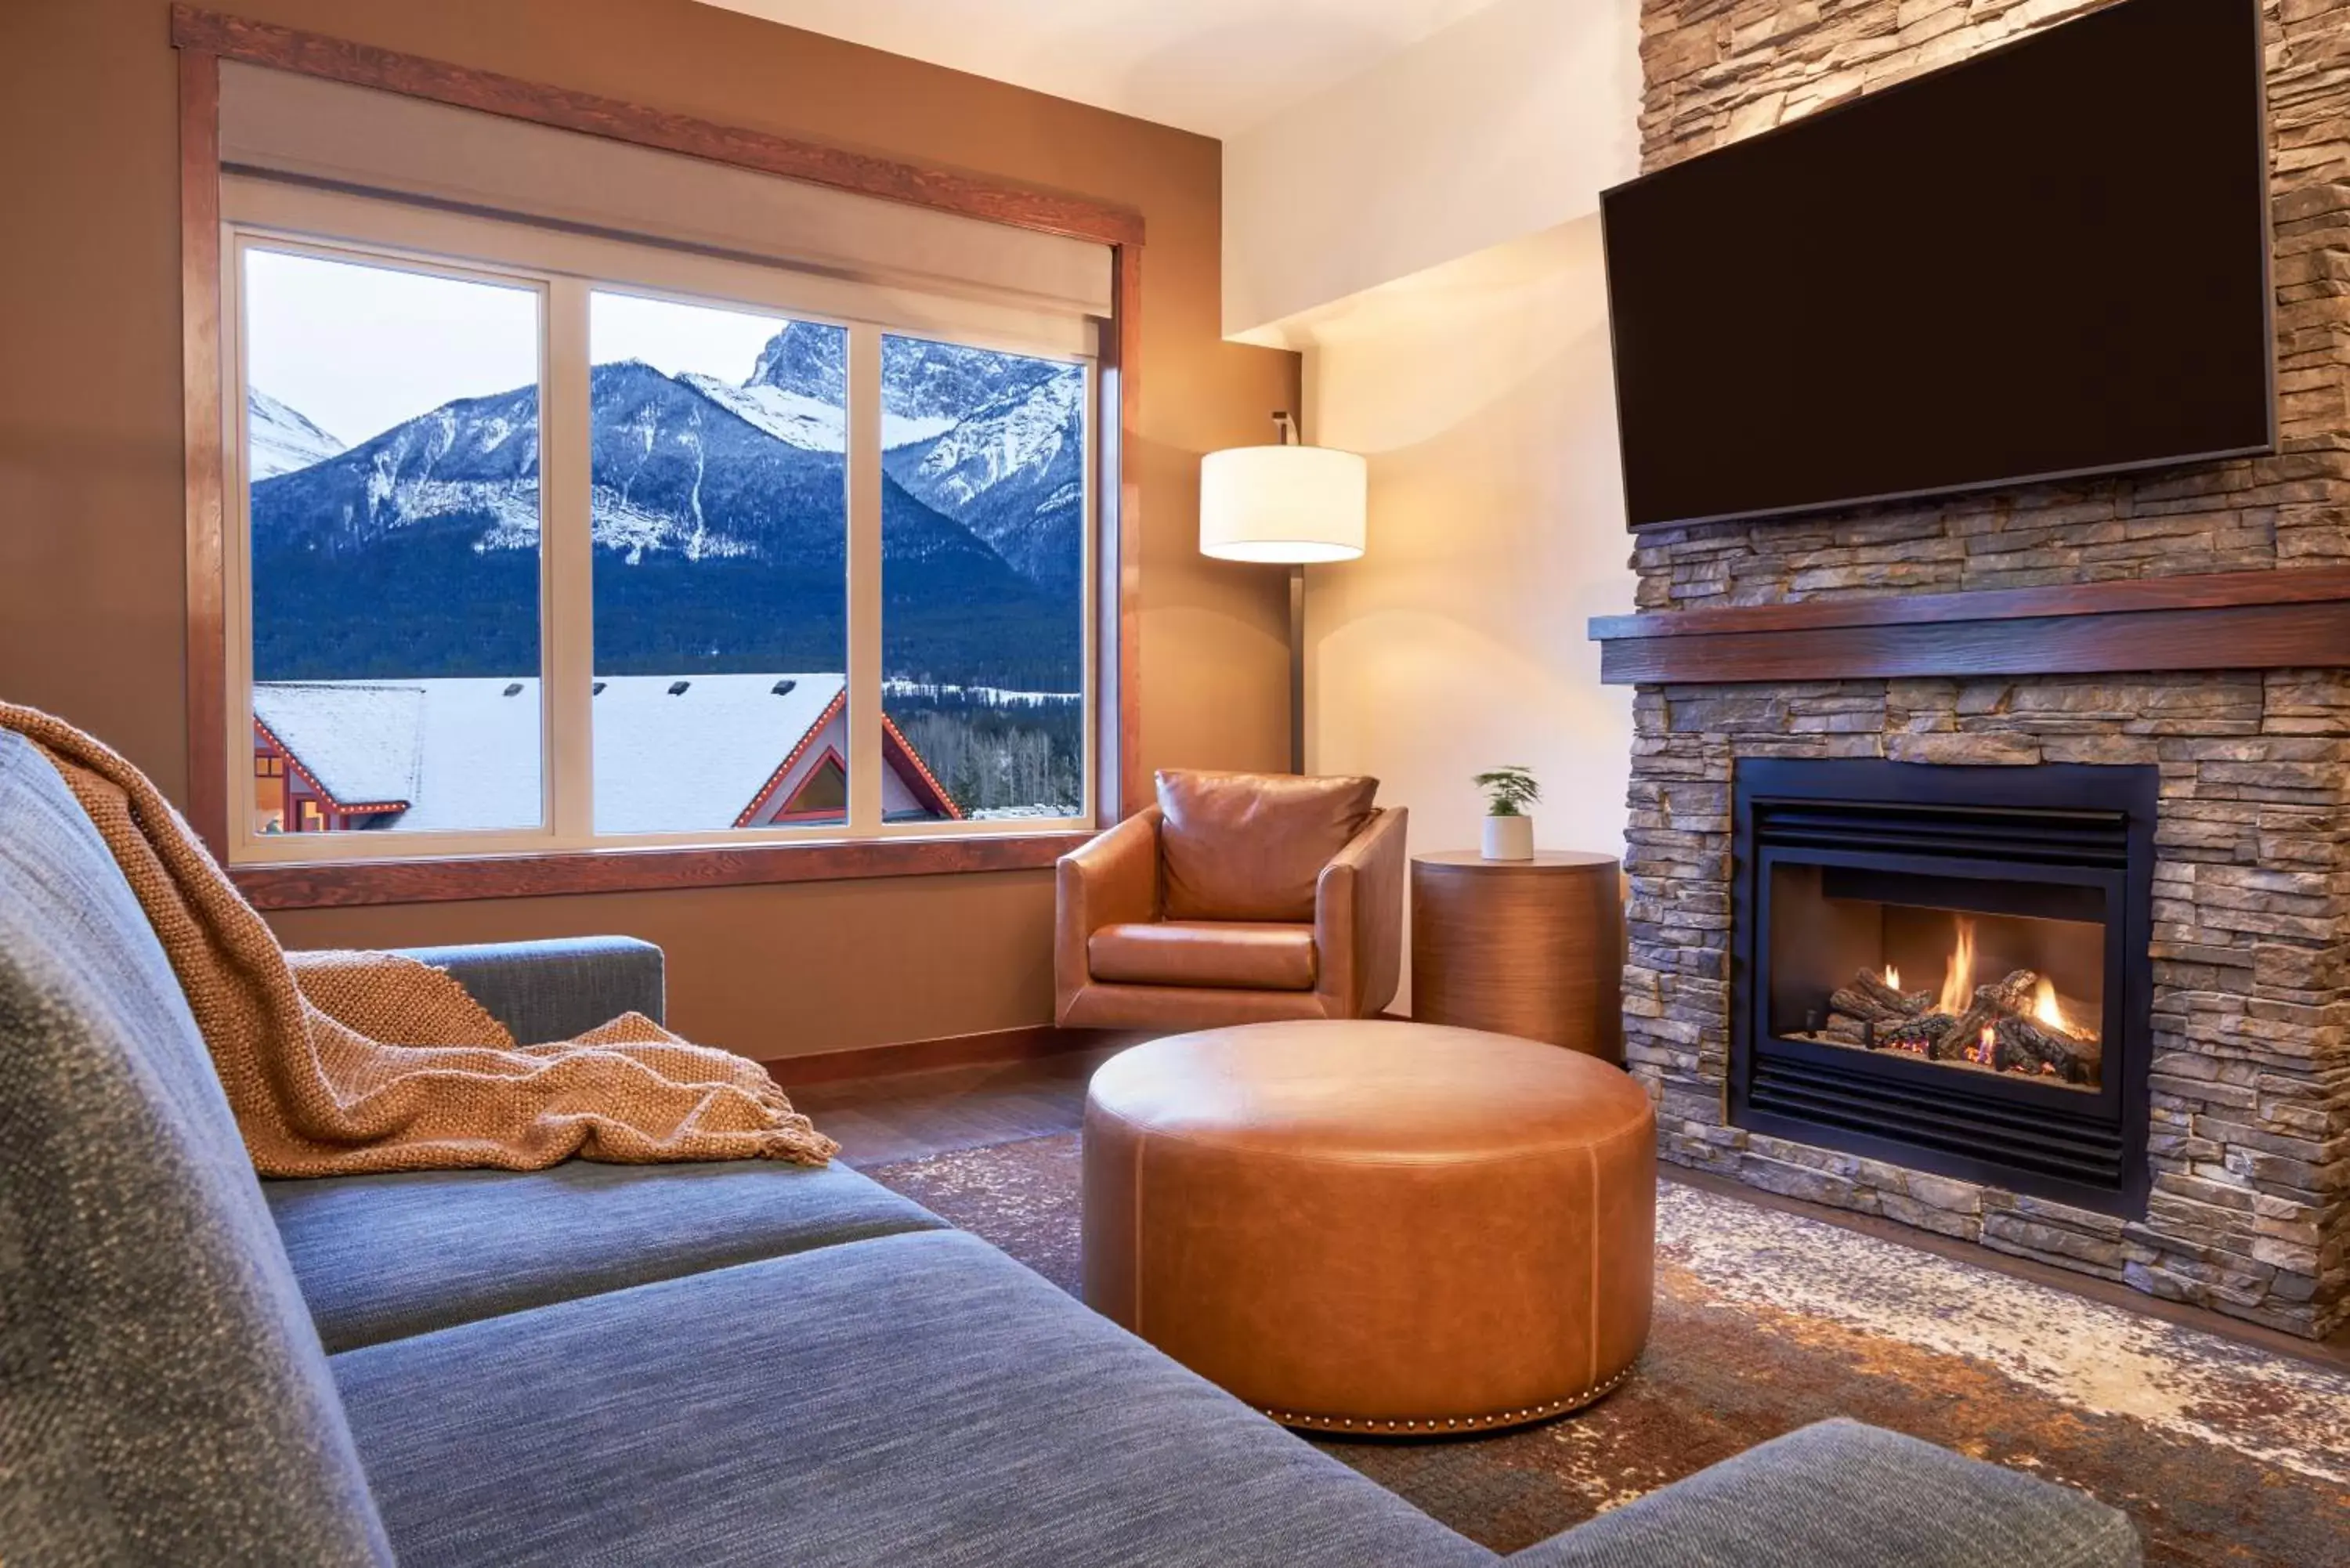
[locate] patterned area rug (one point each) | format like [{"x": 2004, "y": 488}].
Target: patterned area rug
[{"x": 1766, "y": 1321}]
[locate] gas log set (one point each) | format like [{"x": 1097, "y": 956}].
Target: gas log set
[{"x": 2014, "y": 1024}]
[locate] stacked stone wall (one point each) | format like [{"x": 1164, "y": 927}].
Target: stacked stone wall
[{"x": 2251, "y": 1071}]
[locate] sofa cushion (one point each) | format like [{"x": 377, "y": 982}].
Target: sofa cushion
[
  {"x": 1840, "y": 1492},
  {"x": 382, "y": 1257},
  {"x": 555, "y": 988},
  {"x": 1251, "y": 846},
  {"x": 917, "y": 1398},
  {"x": 165, "y": 1396},
  {"x": 1253, "y": 955}
]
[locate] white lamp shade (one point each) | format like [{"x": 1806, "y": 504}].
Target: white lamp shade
[{"x": 1285, "y": 503}]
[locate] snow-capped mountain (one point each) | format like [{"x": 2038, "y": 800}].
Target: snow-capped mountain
[
  {"x": 278, "y": 440},
  {"x": 470, "y": 465},
  {"x": 720, "y": 544},
  {"x": 1013, "y": 471},
  {"x": 807, "y": 358},
  {"x": 800, "y": 379},
  {"x": 791, "y": 417},
  {"x": 928, "y": 387},
  {"x": 994, "y": 440}
]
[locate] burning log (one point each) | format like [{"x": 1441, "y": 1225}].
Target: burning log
[
  {"x": 1917, "y": 1034},
  {"x": 2002, "y": 999},
  {"x": 1847, "y": 1002},
  {"x": 1845, "y": 1031},
  {"x": 2028, "y": 1045},
  {"x": 1870, "y": 999},
  {"x": 2005, "y": 1025}
]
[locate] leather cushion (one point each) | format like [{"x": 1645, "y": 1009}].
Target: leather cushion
[
  {"x": 1355, "y": 1224},
  {"x": 1249, "y": 955},
  {"x": 1249, "y": 846}
]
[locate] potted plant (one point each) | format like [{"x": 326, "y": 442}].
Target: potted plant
[{"x": 1509, "y": 831}]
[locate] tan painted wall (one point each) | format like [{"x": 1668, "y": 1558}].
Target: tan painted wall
[
  {"x": 1505, "y": 124},
  {"x": 1427, "y": 234},
  {"x": 1480, "y": 393},
  {"x": 91, "y": 573}
]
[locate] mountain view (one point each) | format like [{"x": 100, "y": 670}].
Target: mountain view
[
  {"x": 718, "y": 518},
  {"x": 282, "y": 440}
]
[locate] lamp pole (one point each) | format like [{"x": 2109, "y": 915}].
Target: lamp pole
[
  {"x": 1297, "y": 667},
  {"x": 1284, "y": 427}
]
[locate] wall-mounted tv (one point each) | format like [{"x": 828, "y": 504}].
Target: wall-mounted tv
[{"x": 2049, "y": 260}]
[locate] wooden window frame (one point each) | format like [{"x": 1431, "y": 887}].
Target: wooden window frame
[{"x": 204, "y": 39}]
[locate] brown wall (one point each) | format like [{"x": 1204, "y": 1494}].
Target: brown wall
[{"x": 91, "y": 580}]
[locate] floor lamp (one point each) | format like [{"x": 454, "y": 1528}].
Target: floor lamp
[{"x": 1287, "y": 504}]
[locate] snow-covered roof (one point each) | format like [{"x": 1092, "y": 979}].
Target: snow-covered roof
[
  {"x": 477, "y": 758},
  {"x": 464, "y": 752},
  {"x": 697, "y": 760},
  {"x": 359, "y": 739}
]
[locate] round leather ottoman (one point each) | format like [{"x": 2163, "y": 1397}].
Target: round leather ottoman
[{"x": 1361, "y": 1226}]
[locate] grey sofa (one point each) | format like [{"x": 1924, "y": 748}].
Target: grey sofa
[{"x": 699, "y": 1364}]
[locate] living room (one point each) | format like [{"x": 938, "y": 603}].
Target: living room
[{"x": 1285, "y": 781}]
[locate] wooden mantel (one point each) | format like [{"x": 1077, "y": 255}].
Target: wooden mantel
[{"x": 2226, "y": 620}]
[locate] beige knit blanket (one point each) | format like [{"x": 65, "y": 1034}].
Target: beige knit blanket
[{"x": 341, "y": 1063}]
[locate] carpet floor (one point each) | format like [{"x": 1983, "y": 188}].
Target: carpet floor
[{"x": 1766, "y": 1321}]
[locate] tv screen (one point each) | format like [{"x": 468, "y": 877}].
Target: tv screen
[{"x": 2049, "y": 260}]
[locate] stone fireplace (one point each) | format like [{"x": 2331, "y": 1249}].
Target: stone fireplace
[
  {"x": 2185, "y": 635},
  {"x": 1946, "y": 968}
]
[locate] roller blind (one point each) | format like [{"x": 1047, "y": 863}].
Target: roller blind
[{"x": 275, "y": 124}]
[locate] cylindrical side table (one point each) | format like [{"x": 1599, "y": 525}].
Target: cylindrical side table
[{"x": 1531, "y": 948}]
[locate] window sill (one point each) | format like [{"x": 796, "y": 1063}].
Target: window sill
[{"x": 337, "y": 885}]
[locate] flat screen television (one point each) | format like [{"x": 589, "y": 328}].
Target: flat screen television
[{"x": 2049, "y": 260}]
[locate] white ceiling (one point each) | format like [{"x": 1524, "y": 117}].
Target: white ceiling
[{"x": 1216, "y": 67}]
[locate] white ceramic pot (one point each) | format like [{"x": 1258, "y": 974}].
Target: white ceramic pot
[{"x": 1509, "y": 838}]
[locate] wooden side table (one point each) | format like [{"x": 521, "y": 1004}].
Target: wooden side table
[{"x": 1531, "y": 948}]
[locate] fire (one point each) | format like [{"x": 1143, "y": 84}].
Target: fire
[
  {"x": 2047, "y": 1011},
  {"x": 1986, "y": 1046},
  {"x": 1959, "y": 979},
  {"x": 1892, "y": 977}
]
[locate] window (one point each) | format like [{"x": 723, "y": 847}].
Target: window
[
  {"x": 721, "y": 524},
  {"x": 984, "y": 569},
  {"x": 547, "y": 541},
  {"x": 393, "y": 518},
  {"x": 269, "y": 790}
]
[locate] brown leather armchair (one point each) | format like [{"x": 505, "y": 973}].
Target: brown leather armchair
[{"x": 1237, "y": 899}]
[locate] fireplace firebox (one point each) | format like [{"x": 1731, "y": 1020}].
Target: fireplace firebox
[{"x": 1946, "y": 967}]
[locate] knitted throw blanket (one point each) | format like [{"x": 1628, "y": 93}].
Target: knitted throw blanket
[{"x": 338, "y": 1063}]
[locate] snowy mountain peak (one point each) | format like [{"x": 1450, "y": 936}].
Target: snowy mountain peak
[
  {"x": 694, "y": 465},
  {"x": 1011, "y": 470},
  {"x": 808, "y": 358},
  {"x": 947, "y": 382},
  {"x": 1016, "y": 432},
  {"x": 790, "y": 417},
  {"x": 280, "y": 439}
]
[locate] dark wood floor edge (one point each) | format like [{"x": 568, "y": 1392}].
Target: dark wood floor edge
[
  {"x": 1022, "y": 1043},
  {"x": 2333, "y": 1354}
]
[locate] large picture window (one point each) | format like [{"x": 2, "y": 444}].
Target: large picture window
[
  {"x": 544, "y": 543},
  {"x": 392, "y": 460},
  {"x": 984, "y": 634}
]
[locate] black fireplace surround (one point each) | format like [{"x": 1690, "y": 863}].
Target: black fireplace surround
[{"x": 1946, "y": 967}]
